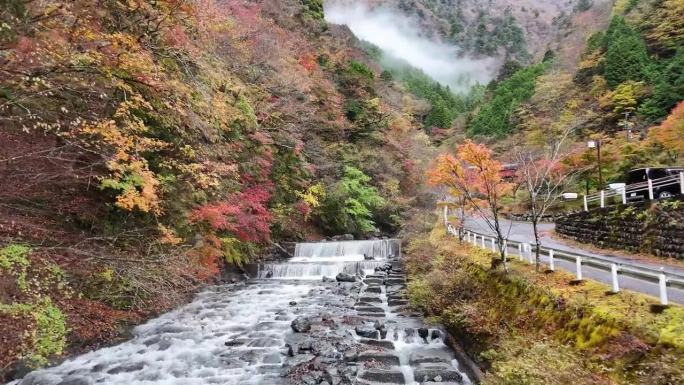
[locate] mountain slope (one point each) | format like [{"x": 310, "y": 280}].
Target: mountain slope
[{"x": 145, "y": 145}]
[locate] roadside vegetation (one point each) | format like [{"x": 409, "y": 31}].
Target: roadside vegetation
[{"x": 527, "y": 327}]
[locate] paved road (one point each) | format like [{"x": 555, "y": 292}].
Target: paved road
[{"x": 522, "y": 232}]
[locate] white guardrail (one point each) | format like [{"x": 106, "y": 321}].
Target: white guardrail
[
  {"x": 525, "y": 250},
  {"x": 625, "y": 193}
]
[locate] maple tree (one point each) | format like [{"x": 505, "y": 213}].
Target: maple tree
[{"x": 475, "y": 176}]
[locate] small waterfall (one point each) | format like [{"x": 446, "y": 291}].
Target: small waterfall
[
  {"x": 378, "y": 249},
  {"x": 315, "y": 260}
]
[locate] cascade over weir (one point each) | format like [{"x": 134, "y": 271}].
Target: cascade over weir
[{"x": 294, "y": 324}]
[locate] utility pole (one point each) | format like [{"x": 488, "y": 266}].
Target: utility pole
[{"x": 597, "y": 144}]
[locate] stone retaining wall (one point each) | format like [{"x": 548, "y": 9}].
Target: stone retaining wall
[{"x": 653, "y": 228}]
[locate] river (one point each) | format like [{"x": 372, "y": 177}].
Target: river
[{"x": 290, "y": 325}]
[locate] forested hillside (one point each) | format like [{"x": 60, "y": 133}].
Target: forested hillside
[
  {"x": 148, "y": 146},
  {"x": 145, "y": 144}
]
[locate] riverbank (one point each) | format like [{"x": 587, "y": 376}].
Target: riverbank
[{"x": 534, "y": 328}]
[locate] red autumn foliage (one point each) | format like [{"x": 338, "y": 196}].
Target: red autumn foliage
[
  {"x": 309, "y": 62},
  {"x": 243, "y": 214}
]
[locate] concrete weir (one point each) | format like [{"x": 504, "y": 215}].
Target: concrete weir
[{"x": 334, "y": 314}]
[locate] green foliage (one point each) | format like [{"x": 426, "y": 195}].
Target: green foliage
[
  {"x": 313, "y": 9},
  {"x": 366, "y": 115},
  {"x": 14, "y": 260},
  {"x": 506, "y": 35},
  {"x": 360, "y": 69},
  {"x": 493, "y": 118},
  {"x": 47, "y": 335},
  {"x": 583, "y": 5},
  {"x": 626, "y": 55},
  {"x": 350, "y": 204},
  {"x": 236, "y": 252},
  {"x": 668, "y": 89}
]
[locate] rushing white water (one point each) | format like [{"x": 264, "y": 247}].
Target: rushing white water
[
  {"x": 348, "y": 250},
  {"x": 315, "y": 260},
  {"x": 224, "y": 336}
]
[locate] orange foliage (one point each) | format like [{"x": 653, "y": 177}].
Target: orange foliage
[{"x": 670, "y": 134}]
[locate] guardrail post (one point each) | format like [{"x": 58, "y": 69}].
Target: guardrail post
[
  {"x": 505, "y": 247},
  {"x": 578, "y": 262},
  {"x": 586, "y": 206},
  {"x": 614, "y": 275},
  {"x": 624, "y": 195},
  {"x": 468, "y": 236},
  {"x": 681, "y": 182},
  {"x": 650, "y": 189},
  {"x": 552, "y": 265},
  {"x": 662, "y": 282},
  {"x": 474, "y": 239},
  {"x": 520, "y": 252},
  {"x": 529, "y": 253},
  {"x": 493, "y": 246},
  {"x": 603, "y": 199},
  {"x": 483, "y": 242}
]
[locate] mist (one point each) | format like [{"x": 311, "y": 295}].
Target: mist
[{"x": 398, "y": 36}]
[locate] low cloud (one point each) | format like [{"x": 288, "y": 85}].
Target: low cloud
[{"x": 399, "y": 38}]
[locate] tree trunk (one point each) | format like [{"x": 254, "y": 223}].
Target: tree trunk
[{"x": 537, "y": 258}]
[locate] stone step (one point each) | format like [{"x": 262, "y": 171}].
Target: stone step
[
  {"x": 378, "y": 343},
  {"x": 430, "y": 356},
  {"x": 394, "y": 281},
  {"x": 388, "y": 359},
  {"x": 369, "y": 309},
  {"x": 383, "y": 376},
  {"x": 371, "y": 315},
  {"x": 436, "y": 372},
  {"x": 373, "y": 289},
  {"x": 397, "y": 302},
  {"x": 374, "y": 281},
  {"x": 370, "y": 299}
]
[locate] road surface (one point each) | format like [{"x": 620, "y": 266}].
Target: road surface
[{"x": 523, "y": 232}]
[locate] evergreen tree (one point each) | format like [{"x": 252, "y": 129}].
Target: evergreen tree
[
  {"x": 668, "y": 89},
  {"x": 626, "y": 55}
]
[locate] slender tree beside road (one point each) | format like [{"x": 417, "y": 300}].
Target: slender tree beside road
[
  {"x": 543, "y": 175},
  {"x": 473, "y": 177}
]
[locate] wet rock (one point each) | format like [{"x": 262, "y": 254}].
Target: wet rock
[
  {"x": 273, "y": 358},
  {"x": 383, "y": 333},
  {"x": 368, "y": 257},
  {"x": 301, "y": 325},
  {"x": 379, "y": 324},
  {"x": 75, "y": 381},
  {"x": 344, "y": 277},
  {"x": 435, "y": 334},
  {"x": 293, "y": 303},
  {"x": 423, "y": 332},
  {"x": 126, "y": 368},
  {"x": 328, "y": 279},
  {"x": 367, "y": 332}
]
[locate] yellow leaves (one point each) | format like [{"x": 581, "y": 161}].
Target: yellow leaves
[
  {"x": 624, "y": 97},
  {"x": 121, "y": 140},
  {"x": 168, "y": 236},
  {"x": 313, "y": 195}
]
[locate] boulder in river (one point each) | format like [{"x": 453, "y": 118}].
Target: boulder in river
[
  {"x": 344, "y": 277},
  {"x": 301, "y": 325}
]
